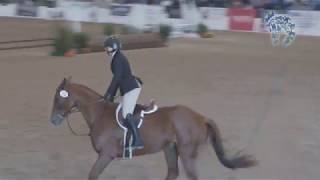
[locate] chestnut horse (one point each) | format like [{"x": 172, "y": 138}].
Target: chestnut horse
[{"x": 177, "y": 130}]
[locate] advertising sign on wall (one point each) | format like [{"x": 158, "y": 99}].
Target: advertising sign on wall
[
  {"x": 26, "y": 8},
  {"x": 120, "y": 10},
  {"x": 241, "y": 18}
]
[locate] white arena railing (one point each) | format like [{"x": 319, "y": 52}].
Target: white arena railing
[{"x": 145, "y": 16}]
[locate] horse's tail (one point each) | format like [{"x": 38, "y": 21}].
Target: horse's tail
[{"x": 238, "y": 160}]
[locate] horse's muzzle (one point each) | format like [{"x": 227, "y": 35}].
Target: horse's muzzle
[{"x": 57, "y": 119}]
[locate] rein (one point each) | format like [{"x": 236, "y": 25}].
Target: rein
[
  {"x": 75, "y": 110},
  {"x": 72, "y": 131}
]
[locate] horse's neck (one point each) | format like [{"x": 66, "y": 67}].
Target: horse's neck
[{"x": 89, "y": 103}]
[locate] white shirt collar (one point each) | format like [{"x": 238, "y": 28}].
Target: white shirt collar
[{"x": 113, "y": 54}]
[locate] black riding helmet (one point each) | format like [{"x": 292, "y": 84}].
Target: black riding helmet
[{"x": 112, "y": 44}]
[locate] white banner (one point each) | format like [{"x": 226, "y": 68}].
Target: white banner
[
  {"x": 307, "y": 22},
  {"x": 8, "y": 10},
  {"x": 214, "y": 18}
]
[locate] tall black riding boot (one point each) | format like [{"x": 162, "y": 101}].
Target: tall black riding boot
[{"x": 137, "y": 141}]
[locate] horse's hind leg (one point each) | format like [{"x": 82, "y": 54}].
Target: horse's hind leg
[
  {"x": 188, "y": 154},
  {"x": 290, "y": 34},
  {"x": 289, "y": 38},
  {"x": 171, "y": 155}
]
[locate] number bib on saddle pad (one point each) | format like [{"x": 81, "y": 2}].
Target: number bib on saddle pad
[{"x": 139, "y": 111}]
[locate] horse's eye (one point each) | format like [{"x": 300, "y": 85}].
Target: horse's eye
[{"x": 64, "y": 94}]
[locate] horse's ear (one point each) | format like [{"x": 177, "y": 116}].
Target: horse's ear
[
  {"x": 69, "y": 79},
  {"x": 64, "y": 82}
]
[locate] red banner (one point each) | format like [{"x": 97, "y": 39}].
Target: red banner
[{"x": 241, "y": 18}]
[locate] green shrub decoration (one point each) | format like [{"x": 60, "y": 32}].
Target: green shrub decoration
[
  {"x": 108, "y": 30},
  {"x": 202, "y": 29},
  {"x": 81, "y": 40},
  {"x": 165, "y": 31},
  {"x": 63, "y": 41}
]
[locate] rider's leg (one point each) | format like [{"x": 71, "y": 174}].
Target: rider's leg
[{"x": 129, "y": 102}]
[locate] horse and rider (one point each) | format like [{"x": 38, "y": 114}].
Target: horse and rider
[{"x": 178, "y": 130}]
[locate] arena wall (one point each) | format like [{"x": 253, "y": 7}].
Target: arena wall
[{"x": 149, "y": 16}]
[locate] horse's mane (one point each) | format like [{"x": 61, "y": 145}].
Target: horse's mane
[{"x": 87, "y": 89}]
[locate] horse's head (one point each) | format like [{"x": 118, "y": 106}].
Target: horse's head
[{"x": 63, "y": 103}]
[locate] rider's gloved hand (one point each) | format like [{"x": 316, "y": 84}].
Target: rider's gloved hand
[{"x": 108, "y": 97}]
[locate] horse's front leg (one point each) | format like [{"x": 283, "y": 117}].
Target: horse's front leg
[
  {"x": 101, "y": 163},
  {"x": 275, "y": 38}
]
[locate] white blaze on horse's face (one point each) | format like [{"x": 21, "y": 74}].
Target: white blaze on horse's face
[{"x": 64, "y": 94}]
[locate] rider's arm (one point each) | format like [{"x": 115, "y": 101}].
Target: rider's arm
[{"x": 115, "y": 83}]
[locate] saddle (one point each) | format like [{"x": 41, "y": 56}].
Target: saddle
[{"x": 139, "y": 112}]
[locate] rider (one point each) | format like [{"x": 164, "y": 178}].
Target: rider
[{"x": 130, "y": 87}]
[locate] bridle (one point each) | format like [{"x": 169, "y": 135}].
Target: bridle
[{"x": 75, "y": 109}]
